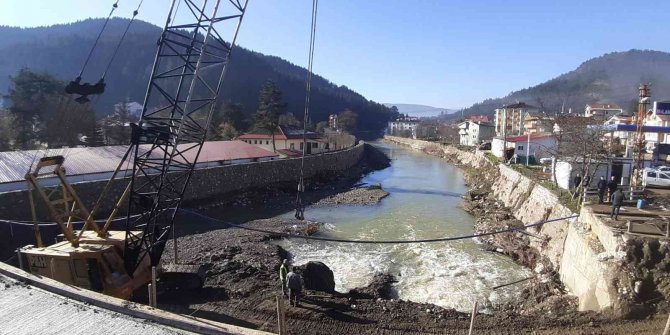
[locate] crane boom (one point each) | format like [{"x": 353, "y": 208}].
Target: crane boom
[{"x": 187, "y": 73}]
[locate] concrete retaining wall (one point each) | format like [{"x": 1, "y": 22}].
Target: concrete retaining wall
[
  {"x": 585, "y": 252},
  {"x": 208, "y": 182}
]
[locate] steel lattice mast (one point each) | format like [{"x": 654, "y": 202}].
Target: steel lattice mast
[{"x": 190, "y": 64}]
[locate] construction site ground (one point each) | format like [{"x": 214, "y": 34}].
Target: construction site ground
[
  {"x": 29, "y": 310},
  {"x": 242, "y": 284}
]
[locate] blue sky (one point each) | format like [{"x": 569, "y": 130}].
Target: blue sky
[{"x": 442, "y": 53}]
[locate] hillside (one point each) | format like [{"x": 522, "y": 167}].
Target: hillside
[
  {"x": 611, "y": 78},
  {"x": 61, "y": 49},
  {"x": 419, "y": 110}
]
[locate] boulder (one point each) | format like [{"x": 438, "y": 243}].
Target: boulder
[{"x": 318, "y": 277}]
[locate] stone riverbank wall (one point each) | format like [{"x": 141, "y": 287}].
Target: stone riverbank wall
[
  {"x": 206, "y": 183},
  {"x": 585, "y": 252}
]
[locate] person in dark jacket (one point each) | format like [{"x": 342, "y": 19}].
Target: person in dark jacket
[
  {"x": 294, "y": 283},
  {"x": 617, "y": 200},
  {"x": 602, "y": 187},
  {"x": 577, "y": 180},
  {"x": 611, "y": 186}
]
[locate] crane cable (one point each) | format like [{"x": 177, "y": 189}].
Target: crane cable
[
  {"x": 118, "y": 45},
  {"x": 299, "y": 205},
  {"x": 90, "y": 53}
]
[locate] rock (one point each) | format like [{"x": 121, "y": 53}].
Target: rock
[{"x": 317, "y": 277}]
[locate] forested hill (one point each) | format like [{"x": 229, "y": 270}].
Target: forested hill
[
  {"x": 60, "y": 50},
  {"x": 611, "y": 78}
]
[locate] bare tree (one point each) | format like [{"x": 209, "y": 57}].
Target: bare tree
[{"x": 580, "y": 143}]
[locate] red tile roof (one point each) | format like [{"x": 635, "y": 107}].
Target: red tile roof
[
  {"x": 214, "y": 151},
  {"x": 282, "y": 133},
  {"x": 480, "y": 118},
  {"x": 81, "y": 161}
]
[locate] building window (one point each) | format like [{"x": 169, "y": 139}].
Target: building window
[
  {"x": 520, "y": 147},
  {"x": 301, "y": 145},
  {"x": 292, "y": 146},
  {"x": 267, "y": 142},
  {"x": 315, "y": 145}
]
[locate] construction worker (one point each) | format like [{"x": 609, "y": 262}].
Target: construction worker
[
  {"x": 611, "y": 186},
  {"x": 602, "y": 187},
  {"x": 283, "y": 271},
  {"x": 576, "y": 182},
  {"x": 617, "y": 200},
  {"x": 294, "y": 283}
]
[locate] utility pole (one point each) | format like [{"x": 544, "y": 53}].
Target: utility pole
[
  {"x": 528, "y": 150},
  {"x": 505, "y": 133},
  {"x": 639, "y": 148}
]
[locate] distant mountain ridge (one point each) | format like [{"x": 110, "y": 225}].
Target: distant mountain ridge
[
  {"x": 61, "y": 50},
  {"x": 420, "y": 110},
  {"x": 611, "y": 78}
]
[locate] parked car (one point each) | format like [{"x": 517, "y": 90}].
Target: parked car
[
  {"x": 663, "y": 168},
  {"x": 656, "y": 178}
]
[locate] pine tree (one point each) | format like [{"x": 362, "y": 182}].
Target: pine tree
[{"x": 270, "y": 107}]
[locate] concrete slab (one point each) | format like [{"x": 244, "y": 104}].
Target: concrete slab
[
  {"x": 36, "y": 304},
  {"x": 29, "y": 310}
]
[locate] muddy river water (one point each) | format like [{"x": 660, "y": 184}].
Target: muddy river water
[{"x": 423, "y": 203}]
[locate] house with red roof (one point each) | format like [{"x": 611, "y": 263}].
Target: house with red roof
[
  {"x": 538, "y": 146},
  {"x": 288, "y": 141}
]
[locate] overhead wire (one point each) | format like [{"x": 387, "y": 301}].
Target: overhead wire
[
  {"x": 300, "y": 207},
  {"x": 429, "y": 240}
]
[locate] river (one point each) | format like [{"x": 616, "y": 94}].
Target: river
[{"x": 423, "y": 203}]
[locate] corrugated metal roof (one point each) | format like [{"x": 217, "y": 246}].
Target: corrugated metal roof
[{"x": 78, "y": 161}]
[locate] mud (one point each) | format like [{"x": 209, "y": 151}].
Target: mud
[
  {"x": 242, "y": 283},
  {"x": 369, "y": 195}
]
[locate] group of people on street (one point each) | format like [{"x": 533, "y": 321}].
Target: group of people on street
[
  {"x": 291, "y": 283},
  {"x": 615, "y": 195}
]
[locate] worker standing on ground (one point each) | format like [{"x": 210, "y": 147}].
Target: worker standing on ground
[
  {"x": 576, "y": 182},
  {"x": 283, "y": 271},
  {"x": 617, "y": 200},
  {"x": 611, "y": 186},
  {"x": 602, "y": 187},
  {"x": 294, "y": 282}
]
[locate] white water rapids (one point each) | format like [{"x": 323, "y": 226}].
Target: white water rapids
[{"x": 423, "y": 203}]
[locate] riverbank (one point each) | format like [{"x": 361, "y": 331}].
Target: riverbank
[
  {"x": 242, "y": 283},
  {"x": 599, "y": 269}
]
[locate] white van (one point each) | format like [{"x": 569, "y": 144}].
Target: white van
[{"x": 655, "y": 178}]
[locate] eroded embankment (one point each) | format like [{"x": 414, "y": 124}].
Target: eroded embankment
[{"x": 600, "y": 269}]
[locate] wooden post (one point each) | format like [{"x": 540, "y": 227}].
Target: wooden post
[
  {"x": 666, "y": 331},
  {"x": 472, "y": 318},
  {"x": 151, "y": 295},
  {"x": 153, "y": 286},
  {"x": 281, "y": 316}
]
